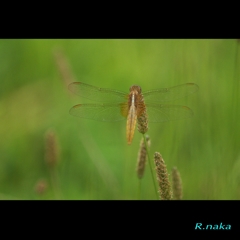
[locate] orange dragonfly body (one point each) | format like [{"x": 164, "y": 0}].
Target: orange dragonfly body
[{"x": 116, "y": 105}]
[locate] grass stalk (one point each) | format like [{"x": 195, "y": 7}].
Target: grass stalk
[{"x": 150, "y": 165}]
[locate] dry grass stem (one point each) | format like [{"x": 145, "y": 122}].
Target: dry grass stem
[
  {"x": 63, "y": 67},
  {"x": 52, "y": 159},
  {"x": 51, "y": 149}
]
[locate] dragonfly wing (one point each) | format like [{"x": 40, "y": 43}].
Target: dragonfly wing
[
  {"x": 97, "y": 94},
  {"x": 168, "y": 94},
  {"x": 162, "y": 112},
  {"x": 104, "y": 112}
]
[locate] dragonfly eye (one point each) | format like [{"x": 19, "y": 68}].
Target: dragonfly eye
[
  {"x": 139, "y": 89},
  {"x": 136, "y": 88}
]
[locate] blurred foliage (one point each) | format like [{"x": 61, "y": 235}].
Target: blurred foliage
[{"x": 95, "y": 161}]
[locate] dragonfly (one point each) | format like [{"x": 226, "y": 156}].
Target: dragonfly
[{"x": 114, "y": 105}]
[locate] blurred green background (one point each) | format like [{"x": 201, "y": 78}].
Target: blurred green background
[{"x": 94, "y": 160}]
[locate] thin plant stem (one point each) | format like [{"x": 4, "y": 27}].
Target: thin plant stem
[
  {"x": 55, "y": 183},
  {"x": 150, "y": 165},
  {"x": 139, "y": 189}
]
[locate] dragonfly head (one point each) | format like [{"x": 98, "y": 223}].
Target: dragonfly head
[{"x": 135, "y": 88}]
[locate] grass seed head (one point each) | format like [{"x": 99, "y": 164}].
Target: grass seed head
[
  {"x": 176, "y": 184},
  {"x": 162, "y": 177},
  {"x": 142, "y": 157}
]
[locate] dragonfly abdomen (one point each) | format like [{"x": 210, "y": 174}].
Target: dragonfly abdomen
[
  {"x": 131, "y": 123},
  {"x": 136, "y": 110}
]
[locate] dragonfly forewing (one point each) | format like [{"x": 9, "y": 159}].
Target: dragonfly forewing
[
  {"x": 169, "y": 94},
  {"x": 103, "y": 95}
]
